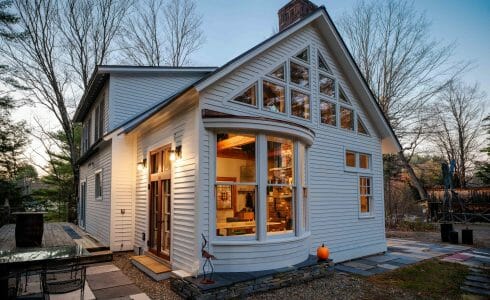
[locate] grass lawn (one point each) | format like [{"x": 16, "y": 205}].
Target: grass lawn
[{"x": 429, "y": 279}]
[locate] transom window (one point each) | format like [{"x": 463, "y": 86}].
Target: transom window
[{"x": 239, "y": 180}]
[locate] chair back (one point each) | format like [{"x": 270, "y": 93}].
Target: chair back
[{"x": 63, "y": 279}]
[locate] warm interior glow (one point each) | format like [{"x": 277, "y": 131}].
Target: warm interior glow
[{"x": 172, "y": 155}]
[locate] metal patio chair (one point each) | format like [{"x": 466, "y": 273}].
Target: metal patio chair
[{"x": 64, "y": 279}]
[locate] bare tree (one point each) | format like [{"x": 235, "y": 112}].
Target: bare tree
[
  {"x": 143, "y": 41},
  {"x": 58, "y": 46},
  {"x": 404, "y": 67},
  {"x": 183, "y": 31},
  {"x": 89, "y": 28},
  {"x": 162, "y": 32},
  {"x": 456, "y": 128}
]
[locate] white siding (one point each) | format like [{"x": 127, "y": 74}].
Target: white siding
[
  {"x": 333, "y": 193},
  {"x": 98, "y": 211},
  {"x": 123, "y": 182},
  {"x": 181, "y": 130},
  {"x": 133, "y": 93}
]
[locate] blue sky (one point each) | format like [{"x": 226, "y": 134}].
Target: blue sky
[{"x": 234, "y": 26}]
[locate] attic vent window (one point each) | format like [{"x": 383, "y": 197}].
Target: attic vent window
[
  {"x": 249, "y": 96},
  {"x": 279, "y": 72},
  {"x": 303, "y": 55},
  {"x": 322, "y": 65}
]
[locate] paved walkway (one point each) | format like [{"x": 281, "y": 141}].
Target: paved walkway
[
  {"x": 104, "y": 281},
  {"x": 400, "y": 253}
]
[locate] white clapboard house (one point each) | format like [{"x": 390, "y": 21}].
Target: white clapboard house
[{"x": 269, "y": 156}]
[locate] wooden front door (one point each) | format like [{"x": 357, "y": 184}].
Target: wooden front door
[{"x": 160, "y": 202}]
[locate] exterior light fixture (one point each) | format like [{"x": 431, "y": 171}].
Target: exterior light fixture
[
  {"x": 142, "y": 164},
  {"x": 176, "y": 153}
]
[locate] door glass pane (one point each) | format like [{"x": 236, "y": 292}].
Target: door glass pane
[
  {"x": 280, "y": 160},
  {"x": 280, "y": 209},
  {"x": 154, "y": 163},
  {"x": 166, "y": 160}
]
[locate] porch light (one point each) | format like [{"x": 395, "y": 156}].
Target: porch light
[
  {"x": 142, "y": 164},
  {"x": 176, "y": 153}
]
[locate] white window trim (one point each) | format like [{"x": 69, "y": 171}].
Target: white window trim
[
  {"x": 97, "y": 197},
  {"x": 357, "y": 168},
  {"x": 261, "y": 236},
  {"x": 326, "y": 99},
  {"x": 290, "y": 98},
  {"x": 293, "y": 84},
  {"x": 335, "y": 97},
  {"x": 370, "y": 214},
  {"x": 284, "y": 65},
  {"x": 308, "y": 50},
  {"x": 262, "y": 102}
]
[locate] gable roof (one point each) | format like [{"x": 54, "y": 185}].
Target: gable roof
[
  {"x": 102, "y": 73},
  {"x": 327, "y": 28}
]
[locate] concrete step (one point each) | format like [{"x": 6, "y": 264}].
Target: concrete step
[{"x": 152, "y": 268}]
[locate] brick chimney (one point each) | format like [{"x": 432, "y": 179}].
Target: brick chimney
[{"x": 294, "y": 11}]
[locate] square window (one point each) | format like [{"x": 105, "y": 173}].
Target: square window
[
  {"x": 364, "y": 161},
  {"x": 327, "y": 85},
  {"x": 328, "y": 113},
  {"x": 346, "y": 118},
  {"x": 350, "y": 159},
  {"x": 300, "y": 104},
  {"x": 274, "y": 97},
  {"x": 300, "y": 75}
]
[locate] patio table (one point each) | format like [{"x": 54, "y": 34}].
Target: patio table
[{"x": 20, "y": 259}]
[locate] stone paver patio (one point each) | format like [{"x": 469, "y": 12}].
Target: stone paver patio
[{"x": 104, "y": 281}]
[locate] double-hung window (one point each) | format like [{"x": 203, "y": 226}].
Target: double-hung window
[
  {"x": 360, "y": 163},
  {"x": 98, "y": 184}
]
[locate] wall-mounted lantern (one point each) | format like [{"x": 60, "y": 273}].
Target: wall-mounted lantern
[
  {"x": 176, "y": 153},
  {"x": 142, "y": 164}
]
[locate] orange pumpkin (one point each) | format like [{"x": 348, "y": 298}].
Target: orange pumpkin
[{"x": 322, "y": 252}]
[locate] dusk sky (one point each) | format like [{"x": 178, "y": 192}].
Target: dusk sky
[{"x": 234, "y": 26}]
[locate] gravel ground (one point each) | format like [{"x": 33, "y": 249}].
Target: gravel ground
[
  {"x": 154, "y": 290},
  {"x": 338, "y": 286}
]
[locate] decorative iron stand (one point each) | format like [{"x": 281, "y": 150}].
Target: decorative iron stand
[{"x": 208, "y": 257}]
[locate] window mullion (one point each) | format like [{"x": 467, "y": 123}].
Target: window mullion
[{"x": 262, "y": 187}]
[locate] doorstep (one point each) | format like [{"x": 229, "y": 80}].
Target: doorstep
[
  {"x": 155, "y": 269},
  {"x": 239, "y": 284}
]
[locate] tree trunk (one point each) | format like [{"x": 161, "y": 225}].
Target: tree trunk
[{"x": 413, "y": 178}]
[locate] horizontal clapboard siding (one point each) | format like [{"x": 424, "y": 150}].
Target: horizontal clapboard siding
[
  {"x": 181, "y": 130},
  {"x": 98, "y": 212},
  {"x": 123, "y": 182},
  {"x": 333, "y": 193},
  {"x": 132, "y": 93}
]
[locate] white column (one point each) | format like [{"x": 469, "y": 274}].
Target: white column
[{"x": 261, "y": 217}]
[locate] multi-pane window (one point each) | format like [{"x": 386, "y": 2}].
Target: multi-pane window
[
  {"x": 280, "y": 185},
  {"x": 327, "y": 85},
  {"x": 236, "y": 191},
  {"x": 98, "y": 185},
  {"x": 249, "y": 96},
  {"x": 300, "y": 75},
  {"x": 274, "y": 97},
  {"x": 365, "y": 195},
  {"x": 238, "y": 182},
  {"x": 361, "y": 161},
  {"x": 300, "y": 104},
  {"x": 86, "y": 135},
  {"x": 346, "y": 118},
  {"x": 328, "y": 113}
]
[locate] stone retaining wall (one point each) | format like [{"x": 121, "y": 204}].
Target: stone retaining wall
[{"x": 190, "y": 288}]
